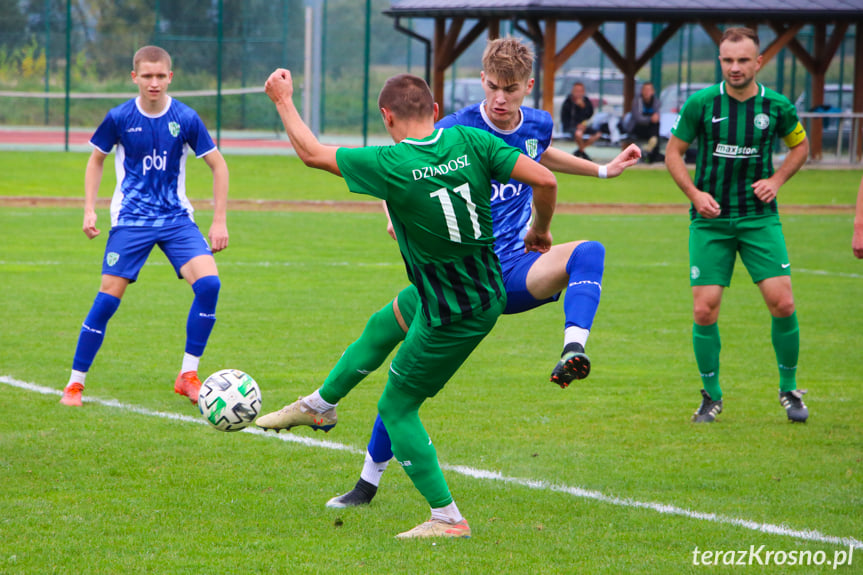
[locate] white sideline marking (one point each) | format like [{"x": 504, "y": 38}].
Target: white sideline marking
[
  {"x": 826, "y": 273},
  {"x": 289, "y": 437},
  {"x": 804, "y": 534},
  {"x": 398, "y": 264}
]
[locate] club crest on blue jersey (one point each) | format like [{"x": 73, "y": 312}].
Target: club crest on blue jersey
[
  {"x": 174, "y": 128},
  {"x": 531, "y": 146}
]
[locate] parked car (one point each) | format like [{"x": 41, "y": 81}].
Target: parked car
[
  {"x": 671, "y": 100},
  {"x": 461, "y": 92},
  {"x": 835, "y": 101}
]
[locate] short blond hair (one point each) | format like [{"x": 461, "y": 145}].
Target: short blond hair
[
  {"x": 151, "y": 54},
  {"x": 508, "y": 59}
]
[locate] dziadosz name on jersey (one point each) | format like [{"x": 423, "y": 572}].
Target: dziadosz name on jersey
[{"x": 451, "y": 166}]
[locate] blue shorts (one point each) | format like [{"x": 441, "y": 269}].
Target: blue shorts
[
  {"x": 129, "y": 247},
  {"x": 518, "y": 299}
]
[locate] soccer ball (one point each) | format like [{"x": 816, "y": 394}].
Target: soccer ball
[{"x": 229, "y": 400}]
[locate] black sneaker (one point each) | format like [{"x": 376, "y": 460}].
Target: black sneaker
[
  {"x": 708, "y": 410},
  {"x": 792, "y": 401},
  {"x": 362, "y": 494},
  {"x": 573, "y": 364}
]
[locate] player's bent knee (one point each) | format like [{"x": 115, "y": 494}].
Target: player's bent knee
[
  {"x": 587, "y": 257},
  {"x": 705, "y": 314},
  {"x": 103, "y": 309},
  {"x": 207, "y": 289},
  {"x": 782, "y": 308},
  {"x": 387, "y": 413}
]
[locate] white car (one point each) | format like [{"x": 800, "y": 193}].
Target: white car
[{"x": 671, "y": 100}]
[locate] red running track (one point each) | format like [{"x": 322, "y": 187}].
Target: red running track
[{"x": 57, "y": 137}]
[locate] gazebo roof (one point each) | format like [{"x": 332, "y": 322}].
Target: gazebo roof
[{"x": 646, "y": 10}]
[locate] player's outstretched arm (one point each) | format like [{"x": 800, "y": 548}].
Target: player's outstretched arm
[
  {"x": 626, "y": 158},
  {"x": 544, "y": 184},
  {"x": 218, "y": 234},
  {"x": 92, "y": 179},
  {"x": 562, "y": 162},
  {"x": 703, "y": 202},
  {"x": 857, "y": 240},
  {"x": 280, "y": 89},
  {"x": 557, "y": 160}
]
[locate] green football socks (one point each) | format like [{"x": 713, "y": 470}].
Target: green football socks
[
  {"x": 380, "y": 336},
  {"x": 412, "y": 446},
  {"x": 785, "y": 334},
  {"x": 706, "y": 343}
]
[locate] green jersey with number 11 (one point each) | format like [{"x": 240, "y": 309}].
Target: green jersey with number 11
[{"x": 438, "y": 192}]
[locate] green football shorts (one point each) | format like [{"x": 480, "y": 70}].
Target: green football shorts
[
  {"x": 429, "y": 356},
  {"x": 714, "y": 243}
]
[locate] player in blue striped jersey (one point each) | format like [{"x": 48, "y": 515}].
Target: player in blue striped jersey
[
  {"x": 153, "y": 135},
  {"x": 531, "y": 279}
]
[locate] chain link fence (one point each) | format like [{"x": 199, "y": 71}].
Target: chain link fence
[{"x": 64, "y": 63}]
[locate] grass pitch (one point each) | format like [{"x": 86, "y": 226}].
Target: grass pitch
[
  {"x": 58, "y": 174},
  {"x": 607, "y": 476}
]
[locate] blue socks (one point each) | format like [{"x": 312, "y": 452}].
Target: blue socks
[
  {"x": 93, "y": 330},
  {"x": 585, "y": 268},
  {"x": 202, "y": 315},
  {"x": 380, "y": 447}
]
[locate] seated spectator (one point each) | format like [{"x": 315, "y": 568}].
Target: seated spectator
[
  {"x": 575, "y": 115},
  {"x": 644, "y": 122}
]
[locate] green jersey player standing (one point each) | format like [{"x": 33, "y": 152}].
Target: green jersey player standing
[
  {"x": 437, "y": 185},
  {"x": 737, "y": 123}
]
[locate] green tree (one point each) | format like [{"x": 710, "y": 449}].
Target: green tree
[
  {"x": 13, "y": 30},
  {"x": 118, "y": 30},
  {"x": 345, "y": 22}
]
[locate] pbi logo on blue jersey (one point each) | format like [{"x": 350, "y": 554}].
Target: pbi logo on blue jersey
[
  {"x": 156, "y": 162},
  {"x": 502, "y": 192}
]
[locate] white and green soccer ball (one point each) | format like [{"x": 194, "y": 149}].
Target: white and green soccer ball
[{"x": 230, "y": 400}]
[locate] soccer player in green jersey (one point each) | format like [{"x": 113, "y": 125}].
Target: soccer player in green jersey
[
  {"x": 437, "y": 185},
  {"x": 737, "y": 122}
]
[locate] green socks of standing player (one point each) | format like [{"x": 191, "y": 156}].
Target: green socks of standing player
[
  {"x": 380, "y": 336},
  {"x": 785, "y": 334},
  {"x": 706, "y": 343}
]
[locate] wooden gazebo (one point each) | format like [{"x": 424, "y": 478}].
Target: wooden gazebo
[{"x": 539, "y": 19}]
